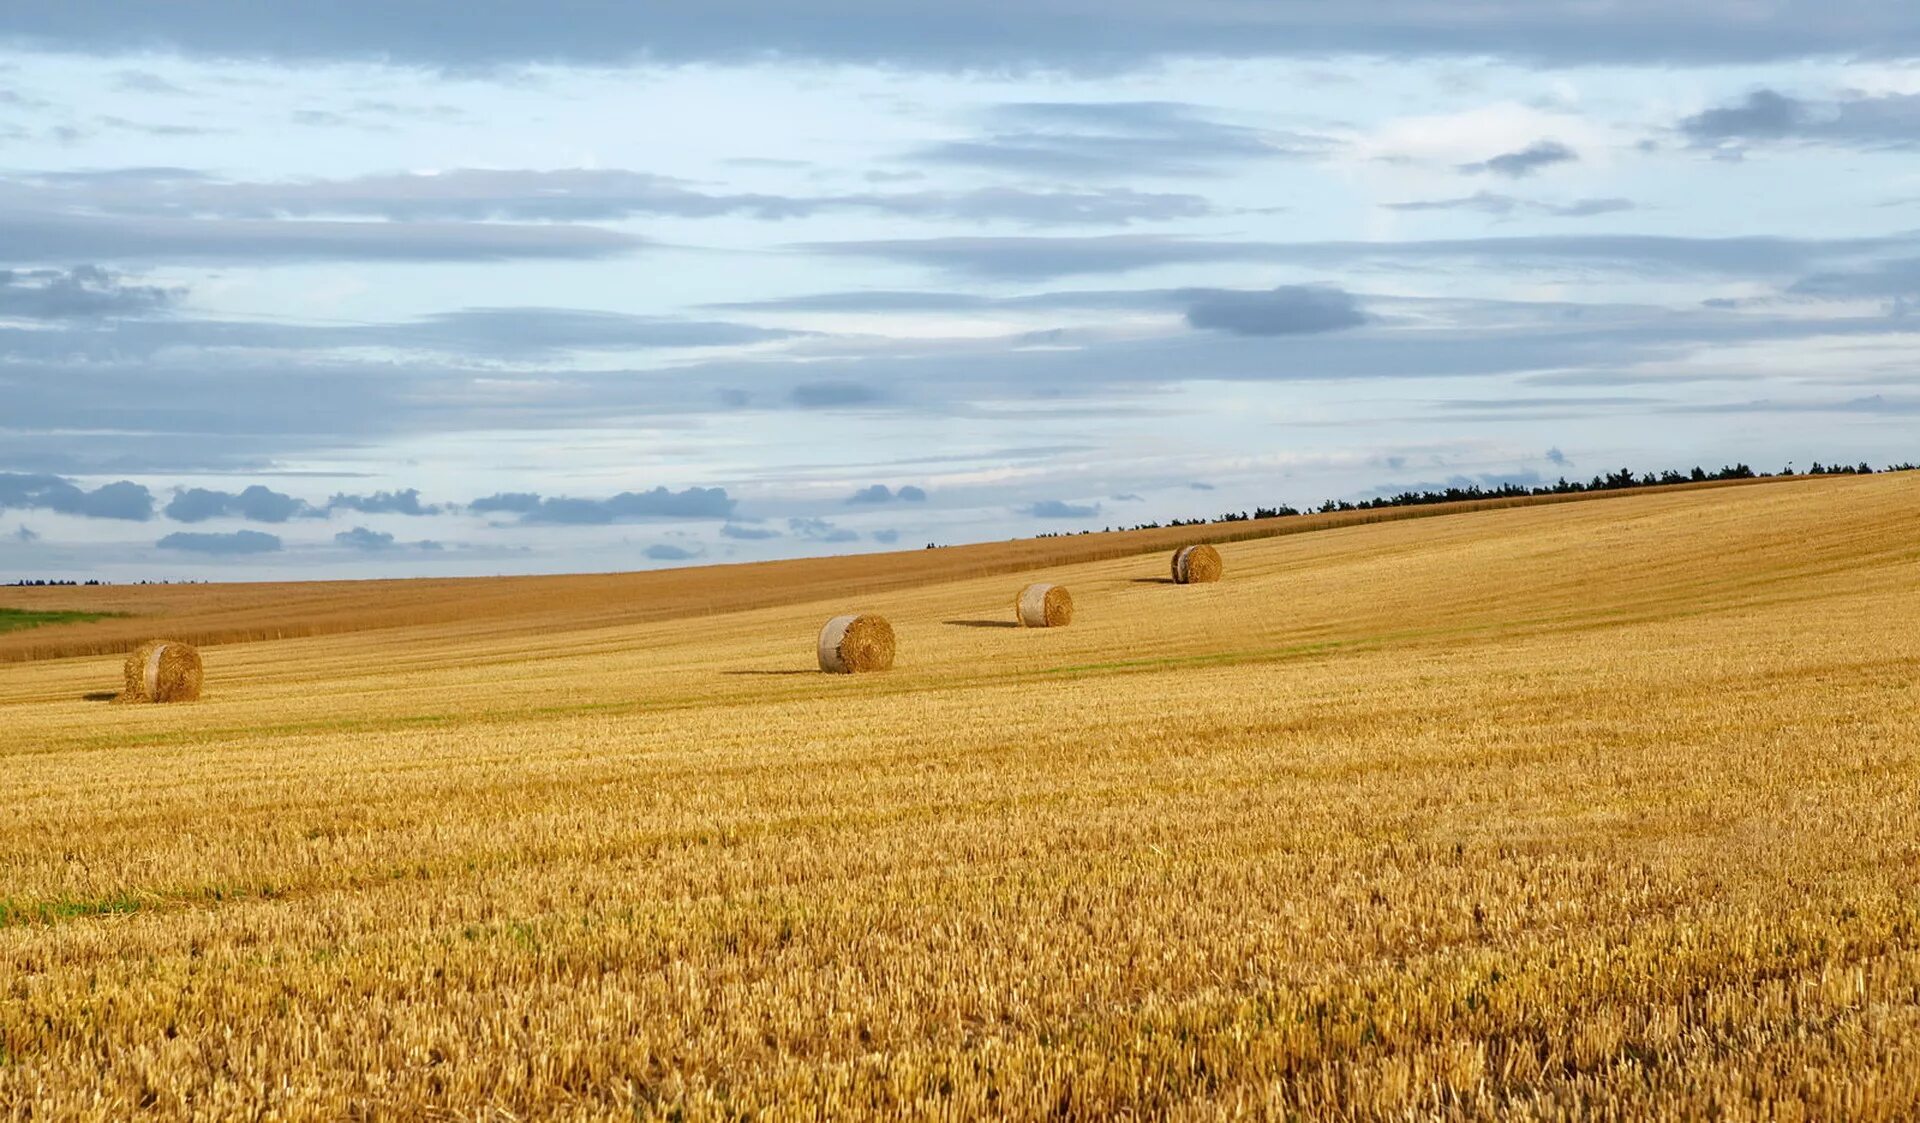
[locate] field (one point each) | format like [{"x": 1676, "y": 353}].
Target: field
[{"x": 1603, "y": 809}]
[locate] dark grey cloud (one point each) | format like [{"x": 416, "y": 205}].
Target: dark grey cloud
[
  {"x": 238, "y": 543},
  {"x": 1035, "y": 258},
  {"x": 666, "y": 551},
  {"x": 510, "y": 502},
  {"x": 79, "y": 292},
  {"x": 881, "y": 493},
  {"x": 405, "y": 502},
  {"x": 820, "y": 530},
  {"x": 121, "y": 500},
  {"x": 748, "y": 533},
  {"x": 58, "y": 237},
  {"x": 833, "y": 395},
  {"x": 564, "y": 195},
  {"x": 1287, "y": 310},
  {"x": 361, "y": 538},
  {"x": 1059, "y": 509},
  {"x": 1556, "y": 457},
  {"x": 1502, "y": 206},
  {"x": 979, "y": 34},
  {"x": 1526, "y": 161},
  {"x": 885, "y": 537},
  {"x": 628, "y": 506},
  {"x": 255, "y": 503},
  {"x": 1200, "y": 486},
  {"x": 1124, "y": 139},
  {"x": 1890, "y": 121},
  {"x": 25, "y": 534}
]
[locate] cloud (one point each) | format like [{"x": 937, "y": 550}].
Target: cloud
[
  {"x": 692, "y": 503},
  {"x": 1494, "y": 203},
  {"x": 1126, "y": 497},
  {"x": 748, "y": 533},
  {"x": 53, "y": 237},
  {"x": 1526, "y": 161},
  {"x": 1201, "y": 486},
  {"x": 255, "y": 504},
  {"x": 832, "y": 395},
  {"x": 974, "y": 34},
  {"x": 1481, "y": 479},
  {"x": 238, "y": 543},
  {"x": 1128, "y": 139},
  {"x": 513, "y": 502},
  {"x": 881, "y": 493},
  {"x": 820, "y": 530},
  {"x": 144, "y": 82},
  {"x": 1287, "y": 310},
  {"x": 568, "y": 195},
  {"x": 1057, "y": 509},
  {"x": 360, "y": 538},
  {"x": 384, "y": 502},
  {"x": 1896, "y": 278},
  {"x": 1032, "y": 258},
  {"x": 1890, "y": 120},
  {"x": 1558, "y": 458},
  {"x": 544, "y": 331},
  {"x": 80, "y": 292},
  {"x": 885, "y": 537},
  {"x": 122, "y": 500},
  {"x": 25, "y": 534},
  {"x": 662, "y": 551}
]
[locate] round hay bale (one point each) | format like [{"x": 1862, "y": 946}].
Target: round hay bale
[
  {"x": 851, "y": 644},
  {"x": 162, "y": 671},
  {"x": 1196, "y": 565},
  {"x": 1044, "y": 606}
]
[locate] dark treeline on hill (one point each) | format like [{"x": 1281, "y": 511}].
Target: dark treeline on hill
[
  {"x": 1622, "y": 480},
  {"x": 36, "y": 583}
]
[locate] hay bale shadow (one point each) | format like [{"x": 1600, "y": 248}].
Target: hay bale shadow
[
  {"x": 981, "y": 623},
  {"x": 768, "y": 672},
  {"x": 1154, "y": 581},
  {"x": 100, "y": 696}
]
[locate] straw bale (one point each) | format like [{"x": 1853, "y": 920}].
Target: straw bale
[
  {"x": 855, "y": 643},
  {"x": 1044, "y": 606},
  {"x": 1196, "y": 565},
  {"x": 162, "y": 671}
]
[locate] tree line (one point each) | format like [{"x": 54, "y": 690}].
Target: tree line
[{"x": 1623, "y": 480}]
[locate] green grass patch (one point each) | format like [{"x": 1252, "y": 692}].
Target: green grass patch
[
  {"x": 14, "y": 619},
  {"x": 14, "y": 912}
]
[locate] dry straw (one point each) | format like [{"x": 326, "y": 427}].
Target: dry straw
[
  {"x": 1196, "y": 565},
  {"x": 850, "y": 644},
  {"x": 1044, "y": 606},
  {"x": 162, "y": 671}
]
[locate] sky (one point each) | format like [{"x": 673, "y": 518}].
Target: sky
[{"x": 359, "y": 290}]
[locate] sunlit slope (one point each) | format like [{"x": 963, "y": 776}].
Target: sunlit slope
[
  {"x": 509, "y": 606},
  {"x": 1528, "y": 813}
]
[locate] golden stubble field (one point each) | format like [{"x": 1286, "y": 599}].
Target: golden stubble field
[{"x": 1597, "y": 810}]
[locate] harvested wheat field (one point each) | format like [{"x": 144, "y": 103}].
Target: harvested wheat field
[{"x": 1583, "y": 810}]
